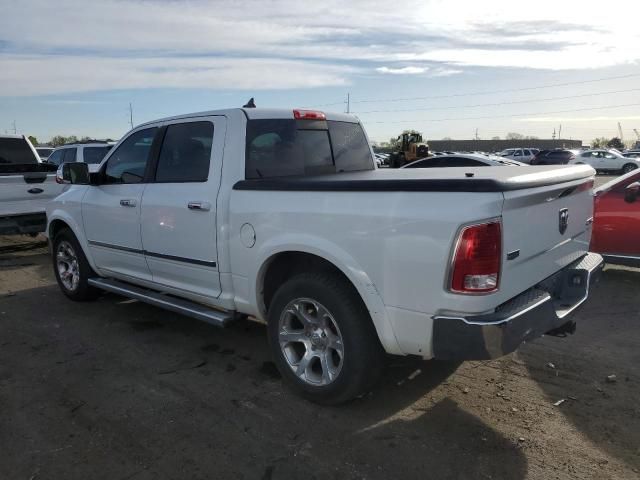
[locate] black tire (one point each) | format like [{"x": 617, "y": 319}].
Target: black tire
[
  {"x": 629, "y": 167},
  {"x": 81, "y": 291},
  {"x": 363, "y": 358}
]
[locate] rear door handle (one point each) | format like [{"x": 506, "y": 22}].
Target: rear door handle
[
  {"x": 202, "y": 206},
  {"x": 35, "y": 190},
  {"x": 127, "y": 202}
]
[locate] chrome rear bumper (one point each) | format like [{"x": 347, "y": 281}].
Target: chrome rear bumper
[{"x": 545, "y": 308}]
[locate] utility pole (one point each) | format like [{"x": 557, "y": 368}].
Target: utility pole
[
  {"x": 477, "y": 134},
  {"x": 554, "y": 134},
  {"x": 15, "y": 130},
  {"x": 560, "y": 132},
  {"x": 348, "y": 103},
  {"x": 131, "y": 115}
]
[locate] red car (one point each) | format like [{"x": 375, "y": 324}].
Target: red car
[{"x": 616, "y": 225}]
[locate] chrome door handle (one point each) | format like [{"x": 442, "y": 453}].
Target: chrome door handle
[
  {"x": 202, "y": 206},
  {"x": 127, "y": 202}
]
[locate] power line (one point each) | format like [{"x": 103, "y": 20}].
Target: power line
[
  {"x": 507, "y": 116},
  {"x": 515, "y": 102},
  {"x": 491, "y": 92}
]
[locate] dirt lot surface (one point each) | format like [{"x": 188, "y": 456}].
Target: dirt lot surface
[{"x": 116, "y": 389}]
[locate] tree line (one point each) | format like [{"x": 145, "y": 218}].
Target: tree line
[{"x": 58, "y": 140}]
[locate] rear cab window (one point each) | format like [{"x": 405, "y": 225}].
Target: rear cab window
[
  {"x": 16, "y": 151},
  {"x": 287, "y": 147}
]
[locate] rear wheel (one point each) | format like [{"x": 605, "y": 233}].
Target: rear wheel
[
  {"x": 71, "y": 268},
  {"x": 628, "y": 167},
  {"x": 322, "y": 338}
]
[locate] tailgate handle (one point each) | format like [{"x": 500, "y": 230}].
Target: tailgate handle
[
  {"x": 35, "y": 190},
  {"x": 127, "y": 202}
]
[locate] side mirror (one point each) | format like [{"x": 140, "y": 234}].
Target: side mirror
[
  {"x": 75, "y": 173},
  {"x": 631, "y": 192}
]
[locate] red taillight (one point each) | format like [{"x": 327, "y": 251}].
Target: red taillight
[
  {"x": 308, "y": 115},
  {"x": 476, "y": 260}
]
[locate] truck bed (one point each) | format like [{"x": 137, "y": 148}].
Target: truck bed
[{"x": 459, "y": 179}]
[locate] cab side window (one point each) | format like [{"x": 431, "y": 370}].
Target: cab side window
[
  {"x": 69, "y": 155},
  {"x": 129, "y": 162},
  {"x": 185, "y": 153}
]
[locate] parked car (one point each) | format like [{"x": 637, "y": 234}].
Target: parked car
[
  {"x": 90, "y": 153},
  {"x": 616, "y": 225},
  {"x": 44, "y": 152},
  {"x": 26, "y": 185},
  {"x": 520, "y": 154},
  {"x": 607, "y": 161},
  {"x": 553, "y": 157},
  {"x": 632, "y": 154},
  {"x": 380, "y": 159},
  {"x": 281, "y": 215},
  {"x": 467, "y": 160}
]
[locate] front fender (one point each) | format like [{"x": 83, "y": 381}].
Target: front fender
[
  {"x": 331, "y": 252},
  {"x": 74, "y": 224}
]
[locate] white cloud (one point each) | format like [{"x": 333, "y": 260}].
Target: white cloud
[
  {"x": 277, "y": 44},
  {"x": 86, "y": 73},
  {"x": 402, "y": 70}
]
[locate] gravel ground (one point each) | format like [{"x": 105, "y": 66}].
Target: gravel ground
[{"x": 115, "y": 389}]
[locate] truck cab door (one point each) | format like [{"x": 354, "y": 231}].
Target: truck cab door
[
  {"x": 179, "y": 207},
  {"x": 111, "y": 210}
]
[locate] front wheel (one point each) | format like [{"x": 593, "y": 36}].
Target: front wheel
[
  {"x": 322, "y": 338},
  {"x": 71, "y": 268},
  {"x": 628, "y": 167}
]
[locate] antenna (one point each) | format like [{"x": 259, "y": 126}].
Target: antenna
[{"x": 131, "y": 115}]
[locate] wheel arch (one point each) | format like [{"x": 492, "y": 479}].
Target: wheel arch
[
  {"x": 59, "y": 220},
  {"x": 280, "y": 264}
]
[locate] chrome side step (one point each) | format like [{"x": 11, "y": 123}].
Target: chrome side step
[{"x": 178, "y": 305}]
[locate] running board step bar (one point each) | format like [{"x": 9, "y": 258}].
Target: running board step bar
[{"x": 168, "y": 302}]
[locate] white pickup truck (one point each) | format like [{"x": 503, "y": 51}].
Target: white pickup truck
[
  {"x": 282, "y": 216},
  {"x": 26, "y": 185}
]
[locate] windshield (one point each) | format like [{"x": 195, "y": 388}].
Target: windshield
[{"x": 44, "y": 152}]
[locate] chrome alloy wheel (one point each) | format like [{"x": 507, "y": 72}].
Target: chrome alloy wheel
[
  {"x": 311, "y": 342},
  {"x": 67, "y": 265}
]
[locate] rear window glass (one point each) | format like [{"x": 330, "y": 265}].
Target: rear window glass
[
  {"x": 16, "y": 151},
  {"x": 69, "y": 155},
  {"x": 95, "y": 155},
  {"x": 279, "y": 148}
]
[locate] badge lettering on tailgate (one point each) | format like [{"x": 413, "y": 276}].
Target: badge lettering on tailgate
[{"x": 563, "y": 220}]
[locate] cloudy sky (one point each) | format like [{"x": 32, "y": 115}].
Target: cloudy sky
[{"x": 446, "y": 68}]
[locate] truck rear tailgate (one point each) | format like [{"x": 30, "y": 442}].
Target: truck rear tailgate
[
  {"x": 544, "y": 229},
  {"x": 28, "y": 192}
]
